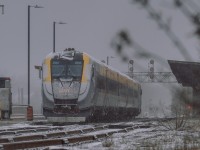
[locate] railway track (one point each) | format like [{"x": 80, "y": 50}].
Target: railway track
[
  {"x": 18, "y": 131},
  {"x": 42, "y": 138}
]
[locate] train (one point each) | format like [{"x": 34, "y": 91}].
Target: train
[{"x": 74, "y": 84}]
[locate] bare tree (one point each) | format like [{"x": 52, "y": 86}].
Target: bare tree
[{"x": 122, "y": 40}]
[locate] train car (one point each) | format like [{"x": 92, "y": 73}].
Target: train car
[{"x": 74, "y": 84}]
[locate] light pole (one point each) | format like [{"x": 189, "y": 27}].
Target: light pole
[
  {"x": 2, "y": 6},
  {"x": 54, "y": 34},
  {"x": 107, "y": 62},
  {"x": 36, "y": 6}
]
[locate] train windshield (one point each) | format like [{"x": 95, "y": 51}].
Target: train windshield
[{"x": 66, "y": 69}]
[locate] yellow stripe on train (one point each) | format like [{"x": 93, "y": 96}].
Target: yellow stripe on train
[
  {"x": 47, "y": 70},
  {"x": 86, "y": 61}
]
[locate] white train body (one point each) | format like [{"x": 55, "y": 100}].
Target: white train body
[{"x": 75, "y": 84}]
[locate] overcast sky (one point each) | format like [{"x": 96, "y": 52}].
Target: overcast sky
[{"x": 91, "y": 25}]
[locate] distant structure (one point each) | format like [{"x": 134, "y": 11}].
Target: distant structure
[
  {"x": 188, "y": 74},
  {"x": 5, "y": 98}
]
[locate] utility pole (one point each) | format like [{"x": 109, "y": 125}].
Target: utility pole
[
  {"x": 29, "y": 7},
  {"x": 54, "y": 34}
]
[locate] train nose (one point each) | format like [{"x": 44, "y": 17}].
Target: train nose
[{"x": 65, "y": 90}]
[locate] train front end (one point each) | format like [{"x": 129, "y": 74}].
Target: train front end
[{"x": 62, "y": 74}]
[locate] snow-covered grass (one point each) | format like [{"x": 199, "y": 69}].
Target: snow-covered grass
[
  {"x": 157, "y": 137},
  {"x": 154, "y": 138}
]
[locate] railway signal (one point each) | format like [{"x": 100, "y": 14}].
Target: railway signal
[
  {"x": 150, "y": 76},
  {"x": 130, "y": 67},
  {"x": 151, "y": 69}
]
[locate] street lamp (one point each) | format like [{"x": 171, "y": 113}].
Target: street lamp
[
  {"x": 54, "y": 33},
  {"x": 107, "y": 62},
  {"x": 36, "y": 6},
  {"x": 2, "y": 6}
]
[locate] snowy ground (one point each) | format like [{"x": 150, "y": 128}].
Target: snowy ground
[{"x": 156, "y": 137}]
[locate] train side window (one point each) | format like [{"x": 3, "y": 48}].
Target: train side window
[
  {"x": 122, "y": 90},
  {"x": 100, "y": 83},
  {"x": 115, "y": 87},
  {"x": 136, "y": 93},
  {"x": 112, "y": 85},
  {"x": 131, "y": 92}
]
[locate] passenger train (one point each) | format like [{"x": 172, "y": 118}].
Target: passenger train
[{"x": 74, "y": 84}]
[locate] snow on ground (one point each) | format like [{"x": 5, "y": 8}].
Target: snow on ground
[{"x": 155, "y": 137}]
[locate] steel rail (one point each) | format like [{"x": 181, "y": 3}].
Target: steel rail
[{"x": 70, "y": 140}]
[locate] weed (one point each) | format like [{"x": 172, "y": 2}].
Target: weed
[{"x": 108, "y": 142}]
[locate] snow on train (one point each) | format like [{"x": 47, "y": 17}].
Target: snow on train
[{"x": 74, "y": 84}]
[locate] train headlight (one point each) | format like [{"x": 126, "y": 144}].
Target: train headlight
[{"x": 70, "y": 52}]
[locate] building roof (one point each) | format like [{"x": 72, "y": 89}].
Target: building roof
[{"x": 187, "y": 73}]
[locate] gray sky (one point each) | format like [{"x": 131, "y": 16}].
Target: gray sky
[{"x": 91, "y": 25}]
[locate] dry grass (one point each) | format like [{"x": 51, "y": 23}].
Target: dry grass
[{"x": 108, "y": 142}]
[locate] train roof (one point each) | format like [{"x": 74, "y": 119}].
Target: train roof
[
  {"x": 187, "y": 73},
  {"x": 111, "y": 68},
  {"x": 60, "y": 53}
]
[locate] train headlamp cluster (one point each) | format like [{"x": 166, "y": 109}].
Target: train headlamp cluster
[
  {"x": 69, "y": 52},
  {"x": 69, "y": 49}
]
